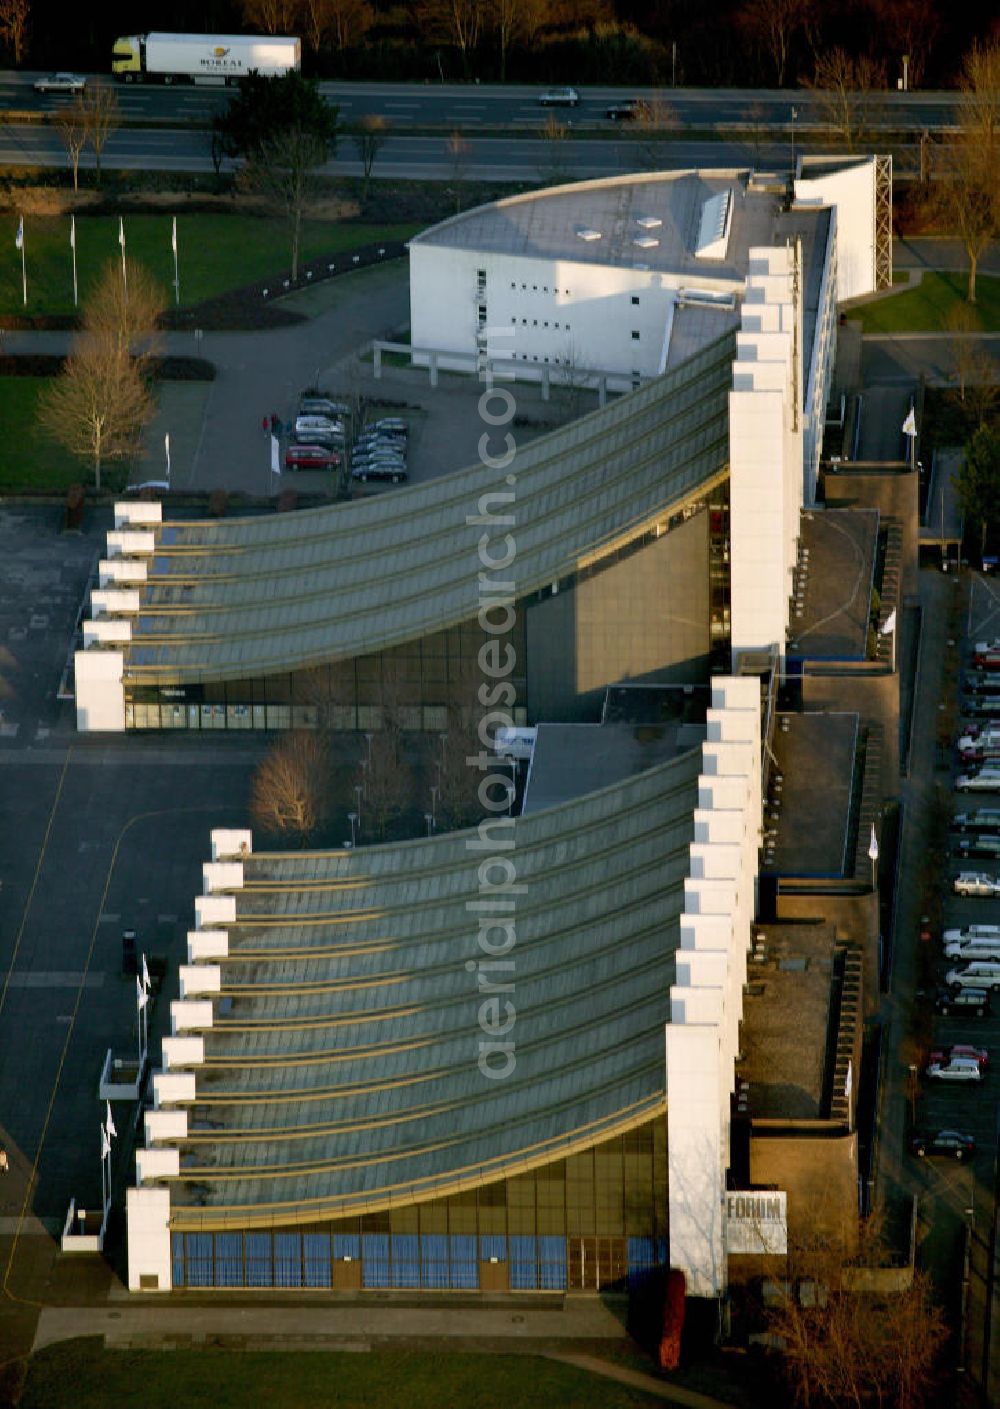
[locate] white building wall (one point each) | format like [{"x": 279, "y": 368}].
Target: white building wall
[
  {"x": 147, "y": 1216},
  {"x": 707, "y": 998},
  {"x": 766, "y": 478},
  {"x": 852, "y": 192},
  {"x": 100, "y": 692},
  {"x": 543, "y": 312}
]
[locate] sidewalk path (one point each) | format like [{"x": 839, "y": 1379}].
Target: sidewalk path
[{"x": 661, "y": 1389}]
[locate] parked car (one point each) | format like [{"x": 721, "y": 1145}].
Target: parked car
[
  {"x": 955, "y": 1144},
  {"x": 559, "y": 98},
  {"x": 976, "y": 883},
  {"x": 394, "y": 474},
  {"x": 974, "y": 973},
  {"x": 60, "y": 83},
  {"x": 983, "y": 819},
  {"x": 954, "y": 1069},
  {"x": 972, "y": 1001},
  {"x": 311, "y": 457},
  {"x": 961, "y": 1049},
  {"x": 982, "y": 706},
  {"x": 986, "y": 779},
  {"x": 981, "y": 844},
  {"x": 981, "y": 682},
  {"x": 322, "y": 427},
  {"x": 323, "y": 406},
  {"x": 625, "y": 111},
  {"x": 968, "y": 932},
  {"x": 986, "y": 655},
  {"x": 130, "y": 957},
  {"x": 377, "y": 457}
]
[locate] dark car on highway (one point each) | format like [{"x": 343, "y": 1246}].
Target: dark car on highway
[
  {"x": 952, "y": 1144},
  {"x": 626, "y": 111}
]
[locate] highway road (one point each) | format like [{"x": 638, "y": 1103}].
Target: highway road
[
  {"x": 426, "y": 158},
  {"x": 467, "y": 106}
]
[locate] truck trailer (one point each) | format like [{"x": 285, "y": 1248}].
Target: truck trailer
[{"x": 203, "y": 58}]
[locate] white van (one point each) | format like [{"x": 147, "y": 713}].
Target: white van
[
  {"x": 984, "y": 932},
  {"x": 977, "y": 973},
  {"x": 973, "y": 949},
  {"x": 516, "y": 743}
]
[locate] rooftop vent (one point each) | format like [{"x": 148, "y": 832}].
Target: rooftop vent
[
  {"x": 646, "y": 242},
  {"x": 716, "y": 222},
  {"x": 586, "y": 233},
  {"x": 649, "y": 222}
]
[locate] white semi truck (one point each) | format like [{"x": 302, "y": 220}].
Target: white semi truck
[{"x": 202, "y": 58}]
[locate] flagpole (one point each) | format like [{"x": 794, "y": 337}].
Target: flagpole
[
  {"x": 72, "y": 245},
  {"x": 104, "y": 1177},
  {"x": 177, "y": 276},
  {"x": 121, "y": 241},
  {"x": 19, "y": 241}
]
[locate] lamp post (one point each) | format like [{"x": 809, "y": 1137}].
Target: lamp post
[
  {"x": 795, "y": 113},
  {"x": 876, "y": 916},
  {"x": 352, "y": 817},
  {"x": 368, "y": 741},
  {"x": 435, "y": 790},
  {"x": 906, "y": 73},
  {"x": 357, "y": 814},
  {"x": 429, "y": 819}
]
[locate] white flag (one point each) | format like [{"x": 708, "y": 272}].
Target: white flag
[
  {"x": 109, "y": 1124},
  {"x": 166, "y": 446},
  {"x": 275, "y": 456},
  {"x": 19, "y": 237},
  {"x": 105, "y": 1144},
  {"x": 72, "y": 232},
  {"x": 890, "y": 623},
  {"x": 873, "y": 845},
  {"x": 141, "y": 996},
  {"x": 121, "y": 233},
  {"x": 145, "y": 972},
  {"x": 910, "y": 424},
  {"x": 173, "y": 236}
]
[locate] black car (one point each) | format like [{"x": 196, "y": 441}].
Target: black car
[
  {"x": 953, "y": 1144},
  {"x": 394, "y": 474},
  {"x": 130, "y": 959},
  {"x": 970, "y": 1002},
  {"x": 626, "y": 111}
]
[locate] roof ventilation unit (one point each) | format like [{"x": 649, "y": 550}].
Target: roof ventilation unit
[
  {"x": 585, "y": 233},
  {"x": 716, "y": 222},
  {"x": 646, "y": 242},
  {"x": 649, "y": 222}
]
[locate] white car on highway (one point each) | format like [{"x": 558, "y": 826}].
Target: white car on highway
[
  {"x": 976, "y": 883},
  {"x": 559, "y": 98},
  {"x": 60, "y": 83}
]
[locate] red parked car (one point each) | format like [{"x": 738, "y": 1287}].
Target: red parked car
[{"x": 311, "y": 457}]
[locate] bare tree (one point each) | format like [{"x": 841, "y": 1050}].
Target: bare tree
[
  {"x": 975, "y": 370},
  {"x": 100, "y": 108},
  {"x": 315, "y": 17},
  {"x": 290, "y": 794},
  {"x": 843, "y": 87},
  {"x": 271, "y": 16},
  {"x": 512, "y": 21},
  {"x": 369, "y": 141},
  {"x": 98, "y": 406},
  {"x": 457, "y": 780},
  {"x": 967, "y": 197},
  {"x": 73, "y": 128},
  {"x": 15, "y": 16},
  {"x": 842, "y": 1346},
  {"x": 653, "y": 120},
  {"x": 125, "y": 312},
  {"x": 772, "y": 25},
  {"x": 458, "y": 151},
  {"x": 554, "y": 170},
  {"x": 455, "y": 22},
  {"x": 909, "y": 27},
  {"x": 284, "y": 173},
  {"x": 350, "y": 21}
]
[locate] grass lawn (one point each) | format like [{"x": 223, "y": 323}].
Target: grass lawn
[
  {"x": 82, "y": 1374},
  {"x": 215, "y": 253},
  {"x": 28, "y": 459},
  {"x": 925, "y": 308}
]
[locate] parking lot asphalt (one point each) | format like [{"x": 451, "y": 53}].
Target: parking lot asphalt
[{"x": 96, "y": 834}]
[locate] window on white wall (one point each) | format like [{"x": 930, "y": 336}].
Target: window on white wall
[
  {"x": 635, "y": 300},
  {"x": 635, "y": 334}
]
